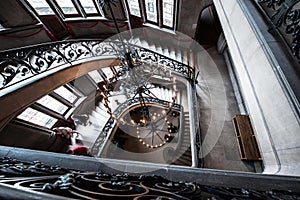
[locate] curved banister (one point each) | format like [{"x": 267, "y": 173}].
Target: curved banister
[
  {"x": 19, "y": 67},
  {"x": 97, "y": 147}
]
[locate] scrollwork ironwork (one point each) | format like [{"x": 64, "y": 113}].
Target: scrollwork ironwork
[
  {"x": 175, "y": 66},
  {"x": 14, "y": 168},
  {"x": 99, "y": 185},
  {"x": 21, "y": 64},
  {"x": 98, "y": 144},
  {"x": 286, "y": 14}
]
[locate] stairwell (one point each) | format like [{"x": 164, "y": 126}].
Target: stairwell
[
  {"x": 98, "y": 117},
  {"x": 183, "y": 154}
]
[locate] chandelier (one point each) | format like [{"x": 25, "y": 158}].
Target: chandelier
[{"x": 154, "y": 125}]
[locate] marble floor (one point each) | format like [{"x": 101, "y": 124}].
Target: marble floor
[{"x": 217, "y": 106}]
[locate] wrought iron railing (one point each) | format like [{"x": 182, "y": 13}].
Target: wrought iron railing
[
  {"x": 41, "y": 181},
  {"x": 20, "y": 65},
  {"x": 284, "y": 16},
  {"x": 98, "y": 145}
]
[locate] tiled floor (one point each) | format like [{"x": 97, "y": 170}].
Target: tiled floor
[{"x": 217, "y": 106}]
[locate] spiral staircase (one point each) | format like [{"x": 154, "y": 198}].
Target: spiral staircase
[{"x": 98, "y": 117}]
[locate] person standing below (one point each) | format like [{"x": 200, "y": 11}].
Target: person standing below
[{"x": 69, "y": 134}]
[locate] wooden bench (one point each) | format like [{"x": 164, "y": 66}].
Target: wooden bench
[{"x": 246, "y": 138}]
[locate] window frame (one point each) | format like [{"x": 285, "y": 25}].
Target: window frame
[
  {"x": 85, "y": 14},
  {"x": 62, "y": 99},
  {"x": 34, "y": 125},
  {"x": 160, "y": 14},
  {"x": 68, "y": 107},
  {"x": 174, "y": 15},
  {"x": 32, "y": 8},
  {"x": 157, "y": 13},
  {"x": 66, "y": 15},
  {"x": 57, "y": 10},
  {"x": 129, "y": 10},
  {"x": 61, "y": 118}
]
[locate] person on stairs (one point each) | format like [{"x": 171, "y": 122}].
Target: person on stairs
[{"x": 76, "y": 147}]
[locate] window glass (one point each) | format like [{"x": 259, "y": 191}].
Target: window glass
[
  {"x": 134, "y": 7},
  {"x": 95, "y": 76},
  {"x": 53, "y": 104},
  {"x": 88, "y": 6},
  {"x": 67, "y": 6},
  {"x": 151, "y": 10},
  {"x": 108, "y": 72},
  {"x": 168, "y": 12},
  {"x": 66, "y": 94},
  {"x": 41, "y": 7},
  {"x": 37, "y": 118},
  {"x": 117, "y": 68}
]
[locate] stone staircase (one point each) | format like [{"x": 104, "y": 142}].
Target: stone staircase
[
  {"x": 178, "y": 53},
  {"x": 163, "y": 93},
  {"x": 98, "y": 117},
  {"x": 183, "y": 155}
]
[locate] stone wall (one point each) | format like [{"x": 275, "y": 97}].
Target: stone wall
[{"x": 275, "y": 123}]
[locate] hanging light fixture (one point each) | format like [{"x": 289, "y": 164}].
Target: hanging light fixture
[{"x": 155, "y": 129}]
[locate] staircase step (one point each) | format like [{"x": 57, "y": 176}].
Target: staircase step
[
  {"x": 97, "y": 114},
  {"x": 187, "y": 157},
  {"x": 152, "y": 46},
  {"x": 185, "y": 162},
  {"x": 102, "y": 112},
  {"x": 178, "y": 55},
  {"x": 100, "y": 120},
  {"x": 185, "y": 59},
  {"x": 88, "y": 134},
  {"x": 159, "y": 49},
  {"x": 182, "y": 162},
  {"x": 166, "y": 51},
  {"x": 136, "y": 41},
  {"x": 184, "y": 158},
  {"x": 191, "y": 61},
  {"x": 144, "y": 44},
  {"x": 172, "y": 54}
]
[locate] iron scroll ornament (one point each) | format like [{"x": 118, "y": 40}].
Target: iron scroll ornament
[
  {"x": 71, "y": 184},
  {"x": 110, "y": 124},
  {"x": 287, "y": 15},
  {"x": 22, "y": 64}
]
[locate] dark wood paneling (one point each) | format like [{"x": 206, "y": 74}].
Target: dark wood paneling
[
  {"x": 18, "y": 135},
  {"x": 136, "y": 22},
  {"x": 13, "y": 15},
  {"x": 55, "y": 26}
]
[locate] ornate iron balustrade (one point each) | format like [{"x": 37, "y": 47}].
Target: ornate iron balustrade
[
  {"x": 109, "y": 126},
  {"x": 148, "y": 100},
  {"x": 15, "y": 168},
  {"x": 19, "y": 65},
  {"x": 103, "y": 135},
  {"x": 59, "y": 182},
  {"x": 285, "y": 16},
  {"x": 184, "y": 70}
]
